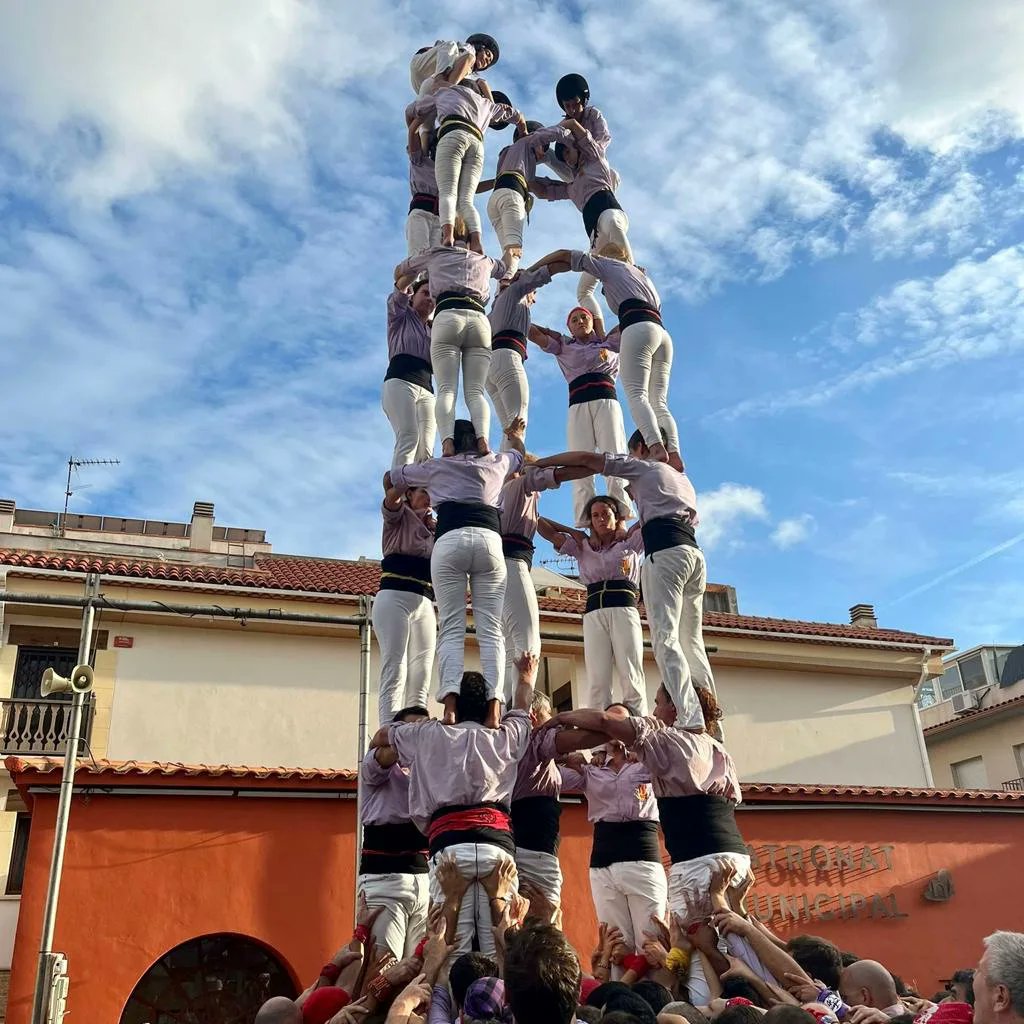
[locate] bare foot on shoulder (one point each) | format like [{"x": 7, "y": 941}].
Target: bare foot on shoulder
[
  {"x": 447, "y": 448},
  {"x": 449, "y": 709},
  {"x": 482, "y": 446},
  {"x": 493, "y": 717},
  {"x": 658, "y": 453}
]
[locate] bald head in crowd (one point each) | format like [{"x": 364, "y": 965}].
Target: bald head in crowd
[
  {"x": 868, "y": 983},
  {"x": 279, "y": 1010}
]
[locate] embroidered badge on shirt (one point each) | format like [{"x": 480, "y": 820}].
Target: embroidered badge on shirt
[
  {"x": 604, "y": 355},
  {"x": 643, "y": 792}
]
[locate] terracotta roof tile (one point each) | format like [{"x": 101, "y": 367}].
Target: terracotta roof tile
[
  {"x": 335, "y": 578},
  {"x": 175, "y": 769},
  {"x": 753, "y": 792},
  {"x": 990, "y": 711}
]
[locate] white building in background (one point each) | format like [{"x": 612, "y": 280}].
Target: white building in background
[{"x": 973, "y": 719}]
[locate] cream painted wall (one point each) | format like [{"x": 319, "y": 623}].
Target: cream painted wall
[
  {"x": 820, "y": 727},
  {"x": 992, "y": 741}
]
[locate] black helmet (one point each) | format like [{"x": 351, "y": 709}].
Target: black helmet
[
  {"x": 483, "y": 39},
  {"x": 572, "y": 87}
]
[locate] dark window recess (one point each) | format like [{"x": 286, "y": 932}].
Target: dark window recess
[
  {"x": 19, "y": 854},
  {"x": 561, "y": 698},
  {"x": 53, "y": 636},
  {"x": 223, "y": 978},
  {"x": 33, "y": 662}
]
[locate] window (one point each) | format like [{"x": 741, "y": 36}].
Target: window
[
  {"x": 19, "y": 854},
  {"x": 972, "y": 671},
  {"x": 970, "y": 774},
  {"x": 1018, "y": 756},
  {"x": 223, "y": 978},
  {"x": 927, "y": 696},
  {"x": 949, "y": 682}
]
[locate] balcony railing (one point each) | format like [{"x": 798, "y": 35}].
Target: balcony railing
[
  {"x": 40, "y": 726},
  {"x": 1014, "y": 784}
]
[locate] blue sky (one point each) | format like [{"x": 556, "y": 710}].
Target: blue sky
[{"x": 202, "y": 204}]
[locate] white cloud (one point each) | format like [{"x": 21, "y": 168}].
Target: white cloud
[
  {"x": 725, "y": 510},
  {"x": 790, "y": 532},
  {"x": 971, "y": 312}
]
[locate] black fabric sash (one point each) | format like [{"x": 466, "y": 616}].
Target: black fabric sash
[
  {"x": 589, "y": 387},
  {"x": 619, "y": 842},
  {"x": 457, "y": 300},
  {"x": 424, "y": 201},
  {"x": 595, "y": 206},
  {"x": 454, "y": 515},
  {"x": 699, "y": 825},
  {"x": 514, "y": 340},
  {"x": 535, "y": 823},
  {"x": 611, "y": 594},
  {"x": 388, "y": 849},
  {"x": 492, "y": 836},
  {"x": 515, "y": 545},
  {"x": 454, "y": 123},
  {"x": 636, "y": 311},
  {"x": 667, "y": 532},
  {"x": 410, "y": 573},
  {"x": 513, "y": 181},
  {"x": 411, "y": 368}
]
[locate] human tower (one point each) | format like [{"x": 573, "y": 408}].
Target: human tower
[{"x": 476, "y": 789}]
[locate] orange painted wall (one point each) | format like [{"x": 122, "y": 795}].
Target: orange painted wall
[{"x": 144, "y": 873}]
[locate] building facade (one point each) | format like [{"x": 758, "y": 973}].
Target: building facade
[
  {"x": 973, "y": 719},
  {"x": 209, "y": 648}
]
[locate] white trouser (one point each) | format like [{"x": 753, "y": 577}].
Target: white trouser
[
  {"x": 410, "y": 411},
  {"x": 612, "y": 637},
  {"x": 461, "y": 339},
  {"x": 626, "y": 896},
  {"x": 403, "y": 921},
  {"x": 645, "y": 362},
  {"x": 406, "y": 631},
  {"x": 474, "y": 861},
  {"x": 673, "y": 583},
  {"x": 689, "y": 883},
  {"x": 596, "y": 426},
  {"x": 612, "y": 226},
  {"x": 469, "y": 554},
  {"x": 507, "y": 212},
  {"x": 520, "y": 620},
  {"x": 541, "y": 870},
  {"x": 422, "y": 231},
  {"x": 458, "y": 164},
  {"x": 509, "y": 389}
]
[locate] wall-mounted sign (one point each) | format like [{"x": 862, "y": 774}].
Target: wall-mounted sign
[
  {"x": 940, "y": 888},
  {"x": 817, "y": 868},
  {"x": 124, "y": 641}
]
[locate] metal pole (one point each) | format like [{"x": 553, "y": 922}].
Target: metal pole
[
  {"x": 67, "y": 783},
  {"x": 365, "y": 606}
]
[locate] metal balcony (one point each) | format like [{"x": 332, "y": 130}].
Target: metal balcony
[{"x": 1014, "y": 784}]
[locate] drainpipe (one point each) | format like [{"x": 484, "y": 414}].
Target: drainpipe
[
  {"x": 922, "y": 747},
  {"x": 41, "y": 997},
  {"x": 365, "y": 606}
]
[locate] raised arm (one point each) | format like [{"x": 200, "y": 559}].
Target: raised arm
[
  {"x": 557, "y": 262},
  {"x": 526, "y": 667},
  {"x": 588, "y": 460},
  {"x": 393, "y": 496},
  {"x": 566, "y": 473},
  {"x": 543, "y": 336},
  {"x": 556, "y": 529},
  {"x": 592, "y": 721},
  {"x": 776, "y": 960},
  {"x": 515, "y": 432}
]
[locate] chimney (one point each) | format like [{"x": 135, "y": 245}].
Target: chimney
[
  {"x": 863, "y": 616},
  {"x": 200, "y": 536},
  {"x": 6, "y": 515}
]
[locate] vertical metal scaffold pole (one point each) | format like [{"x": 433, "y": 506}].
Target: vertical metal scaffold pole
[
  {"x": 67, "y": 783},
  {"x": 365, "y": 606}
]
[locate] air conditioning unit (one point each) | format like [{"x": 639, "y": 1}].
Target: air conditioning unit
[{"x": 969, "y": 700}]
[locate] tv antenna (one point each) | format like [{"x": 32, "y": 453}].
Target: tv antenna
[{"x": 75, "y": 464}]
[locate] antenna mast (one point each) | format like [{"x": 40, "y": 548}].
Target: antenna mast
[{"x": 74, "y": 464}]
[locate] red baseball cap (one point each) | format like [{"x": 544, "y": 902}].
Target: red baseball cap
[{"x": 323, "y": 1003}]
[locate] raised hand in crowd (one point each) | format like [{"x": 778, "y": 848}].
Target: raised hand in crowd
[
  {"x": 540, "y": 906},
  {"x": 798, "y": 986},
  {"x": 436, "y": 947},
  {"x": 722, "y": 876},
  {"x": 866, "y": 1015},
  {"x": 355, "y": 1013},
  {"x": 415, "y": 996}
]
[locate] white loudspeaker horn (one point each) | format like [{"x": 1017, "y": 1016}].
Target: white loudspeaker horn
[{"x": 80, "y": 681}]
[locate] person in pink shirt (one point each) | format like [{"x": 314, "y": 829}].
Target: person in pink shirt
[
  {"x": 590, "y": 364},
  {"x": 627, "y": 878},
  {"x": 403, "y": 616},
  {"x": 393, "y": 860},
  {"x": 422, "y": 226},
  {"x": 466, "y": 491},
  {"x": 673, "y": 575},
  {"x": 609, "y": 564}
]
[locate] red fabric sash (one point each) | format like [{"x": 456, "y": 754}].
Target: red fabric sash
[{"x": 471, "y": 818}]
